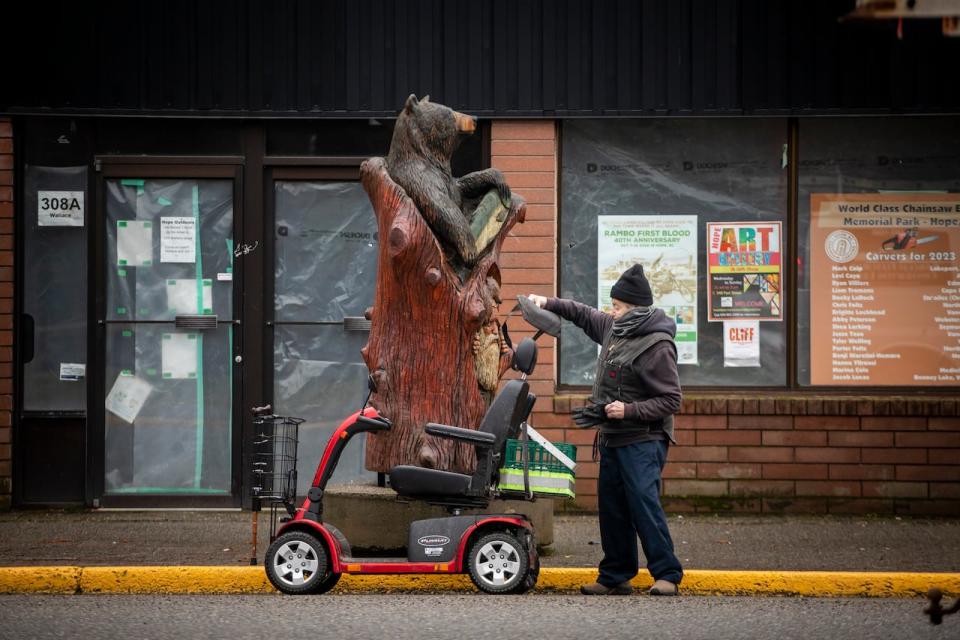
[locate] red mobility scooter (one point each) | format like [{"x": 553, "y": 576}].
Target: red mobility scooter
[{"x": 308, "y": 555}]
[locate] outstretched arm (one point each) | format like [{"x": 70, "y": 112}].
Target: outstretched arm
[{"x": 594, "y": 323}]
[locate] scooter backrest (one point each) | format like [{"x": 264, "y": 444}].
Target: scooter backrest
[{"x": 506, "y": 412}]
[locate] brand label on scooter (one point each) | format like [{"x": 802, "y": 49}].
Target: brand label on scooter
[{"x": 433, "y": 541}]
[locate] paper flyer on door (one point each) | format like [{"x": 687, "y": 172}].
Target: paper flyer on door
[
  {"x": 666, "y": 246},
  {"x": 134, "y": 243},
  {"x": 885, "y": 289},
  {"x": 178, "y": 239},
  {"x": 179, "y": 355},
  {"x": 744, "y": 271},
  {"x": 127, "y": 397}
]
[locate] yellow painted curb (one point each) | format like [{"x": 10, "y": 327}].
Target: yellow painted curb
[
  {"x": 174, "y": 580},
  {"x": 819, "y": 583},
  {"x": 221, "y": 579},
  {"x": 40, "y": 579}
]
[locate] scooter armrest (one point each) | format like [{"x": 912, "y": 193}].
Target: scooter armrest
[{"x": 476, "y": 438}]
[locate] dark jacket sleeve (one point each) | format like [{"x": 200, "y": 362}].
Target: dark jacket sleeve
[
  {"x": 662, "y": 385},
  {"x": 594, "y": 323}
]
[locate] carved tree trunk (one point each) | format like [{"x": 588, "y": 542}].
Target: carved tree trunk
[{"x": 423, "y": 323}]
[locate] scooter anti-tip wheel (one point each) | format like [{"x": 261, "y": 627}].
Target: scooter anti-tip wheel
[
  {"x": 498, "y": 563},
  {"x": 298, "y": 563}
]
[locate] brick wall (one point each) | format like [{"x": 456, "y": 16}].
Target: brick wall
[
  {"x": 526, "y": 152},
  {"x": 802, "y": 454},
  {"x": 771, "y": 454},
  {"x": 6, "y": 309}
]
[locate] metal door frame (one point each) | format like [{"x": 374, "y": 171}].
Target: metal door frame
[
  {"x": 159, "y": 167},
  {"x": 317, "y": 169}
]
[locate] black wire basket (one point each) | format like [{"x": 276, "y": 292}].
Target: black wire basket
[{"x": 275, "y": 459}]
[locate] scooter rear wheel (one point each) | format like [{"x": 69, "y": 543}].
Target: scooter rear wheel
[
  {"x": 298, "y": 563},
  {"x": 498, "y": 563}
]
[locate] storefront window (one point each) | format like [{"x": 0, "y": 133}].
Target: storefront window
[
  {"x": 651, "y": 191},
  {"x": 879, "y": 236}
]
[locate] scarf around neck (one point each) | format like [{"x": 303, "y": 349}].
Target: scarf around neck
[{"x": 629, "y": 323}]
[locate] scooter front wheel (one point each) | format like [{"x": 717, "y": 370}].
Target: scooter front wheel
[
  {"x": 498, "y": 563},
  {"x": 298, "y": 563}
]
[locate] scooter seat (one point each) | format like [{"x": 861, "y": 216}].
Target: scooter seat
[{"x": 417, "y": 482}]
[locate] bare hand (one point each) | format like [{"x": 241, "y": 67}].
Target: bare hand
[
  {"x": 540, "y": 301},
  {"x": 614, "y": 410}
]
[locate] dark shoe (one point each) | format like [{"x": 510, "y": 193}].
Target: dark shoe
[
  {"x": 664, "y": 588},
  {"x": 597, "y": 589}
]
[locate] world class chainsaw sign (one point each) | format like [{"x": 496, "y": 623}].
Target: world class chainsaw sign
[{"x": 885, "y": 289}]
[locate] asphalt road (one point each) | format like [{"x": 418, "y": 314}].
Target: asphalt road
[{"x": 465, "y": 617}]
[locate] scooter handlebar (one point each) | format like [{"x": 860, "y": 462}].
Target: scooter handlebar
[
  {"x": 265, "y": 410},
  {"x": 375, "y": 424}
]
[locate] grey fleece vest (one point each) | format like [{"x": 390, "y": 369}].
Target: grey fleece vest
[{"x": 614, "y": 381}]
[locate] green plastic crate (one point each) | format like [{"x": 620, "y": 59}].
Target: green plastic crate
[{"x": 548, "y": 477}]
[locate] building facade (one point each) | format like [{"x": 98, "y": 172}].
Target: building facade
[{"x": 183, "y": 234}]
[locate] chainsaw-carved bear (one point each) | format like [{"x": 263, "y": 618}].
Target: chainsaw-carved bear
[{"x": 424, "y": 139}]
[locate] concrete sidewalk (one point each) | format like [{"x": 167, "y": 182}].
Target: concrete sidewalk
[{"x": 202, "y": 551}]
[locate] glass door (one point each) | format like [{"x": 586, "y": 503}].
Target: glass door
[
  {"x": 169, "y": 334},
  {"x": 325, "y": 263}
]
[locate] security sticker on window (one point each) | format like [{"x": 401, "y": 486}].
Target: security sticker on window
[{"x": 60, "y": 208}]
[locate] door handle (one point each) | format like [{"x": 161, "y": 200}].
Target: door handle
[
  {"x": 356, "y": 323},
  {"x": 196, "y": 322}
]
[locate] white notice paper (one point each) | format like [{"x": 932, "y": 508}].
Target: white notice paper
[
  {"x": 178, "y": 239},
  {"x": 127, "y": 397},
  {"x": 71, "y": 372},
  {"x": 134, "y": 243},
  {"x": 179, "y": 355},
  {"x": 60, "y": 208},
  {"x": 182, "y": 296},
  {"x": 741, "y": 343}
]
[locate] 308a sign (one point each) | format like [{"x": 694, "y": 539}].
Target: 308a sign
[{"x": 60, "y": 208}]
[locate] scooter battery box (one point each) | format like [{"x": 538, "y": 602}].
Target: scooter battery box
[{"x": 437, "y": 539}]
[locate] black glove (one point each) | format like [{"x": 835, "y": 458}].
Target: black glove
[{"x": 590, "y": 415}]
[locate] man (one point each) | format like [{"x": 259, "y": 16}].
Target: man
[{"x": 636, "y": 393}]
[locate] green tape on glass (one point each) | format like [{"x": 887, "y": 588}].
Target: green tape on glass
[
  {"x": 122, "y": 311},
  {"x": 127, "y": 373},
  {"x": 127, "y": 334},
  {"x": 122, "y": 224},
  {"x": 133, "y": 182},
  {"x": 198, "y": 455},
  {"x": 151, "y": 372},
  {"x": 122, "y": 272},
  {"x": 164, "y": 201}
]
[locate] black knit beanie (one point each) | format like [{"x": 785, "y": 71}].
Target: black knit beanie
[{"x": 633, "y": 288}]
